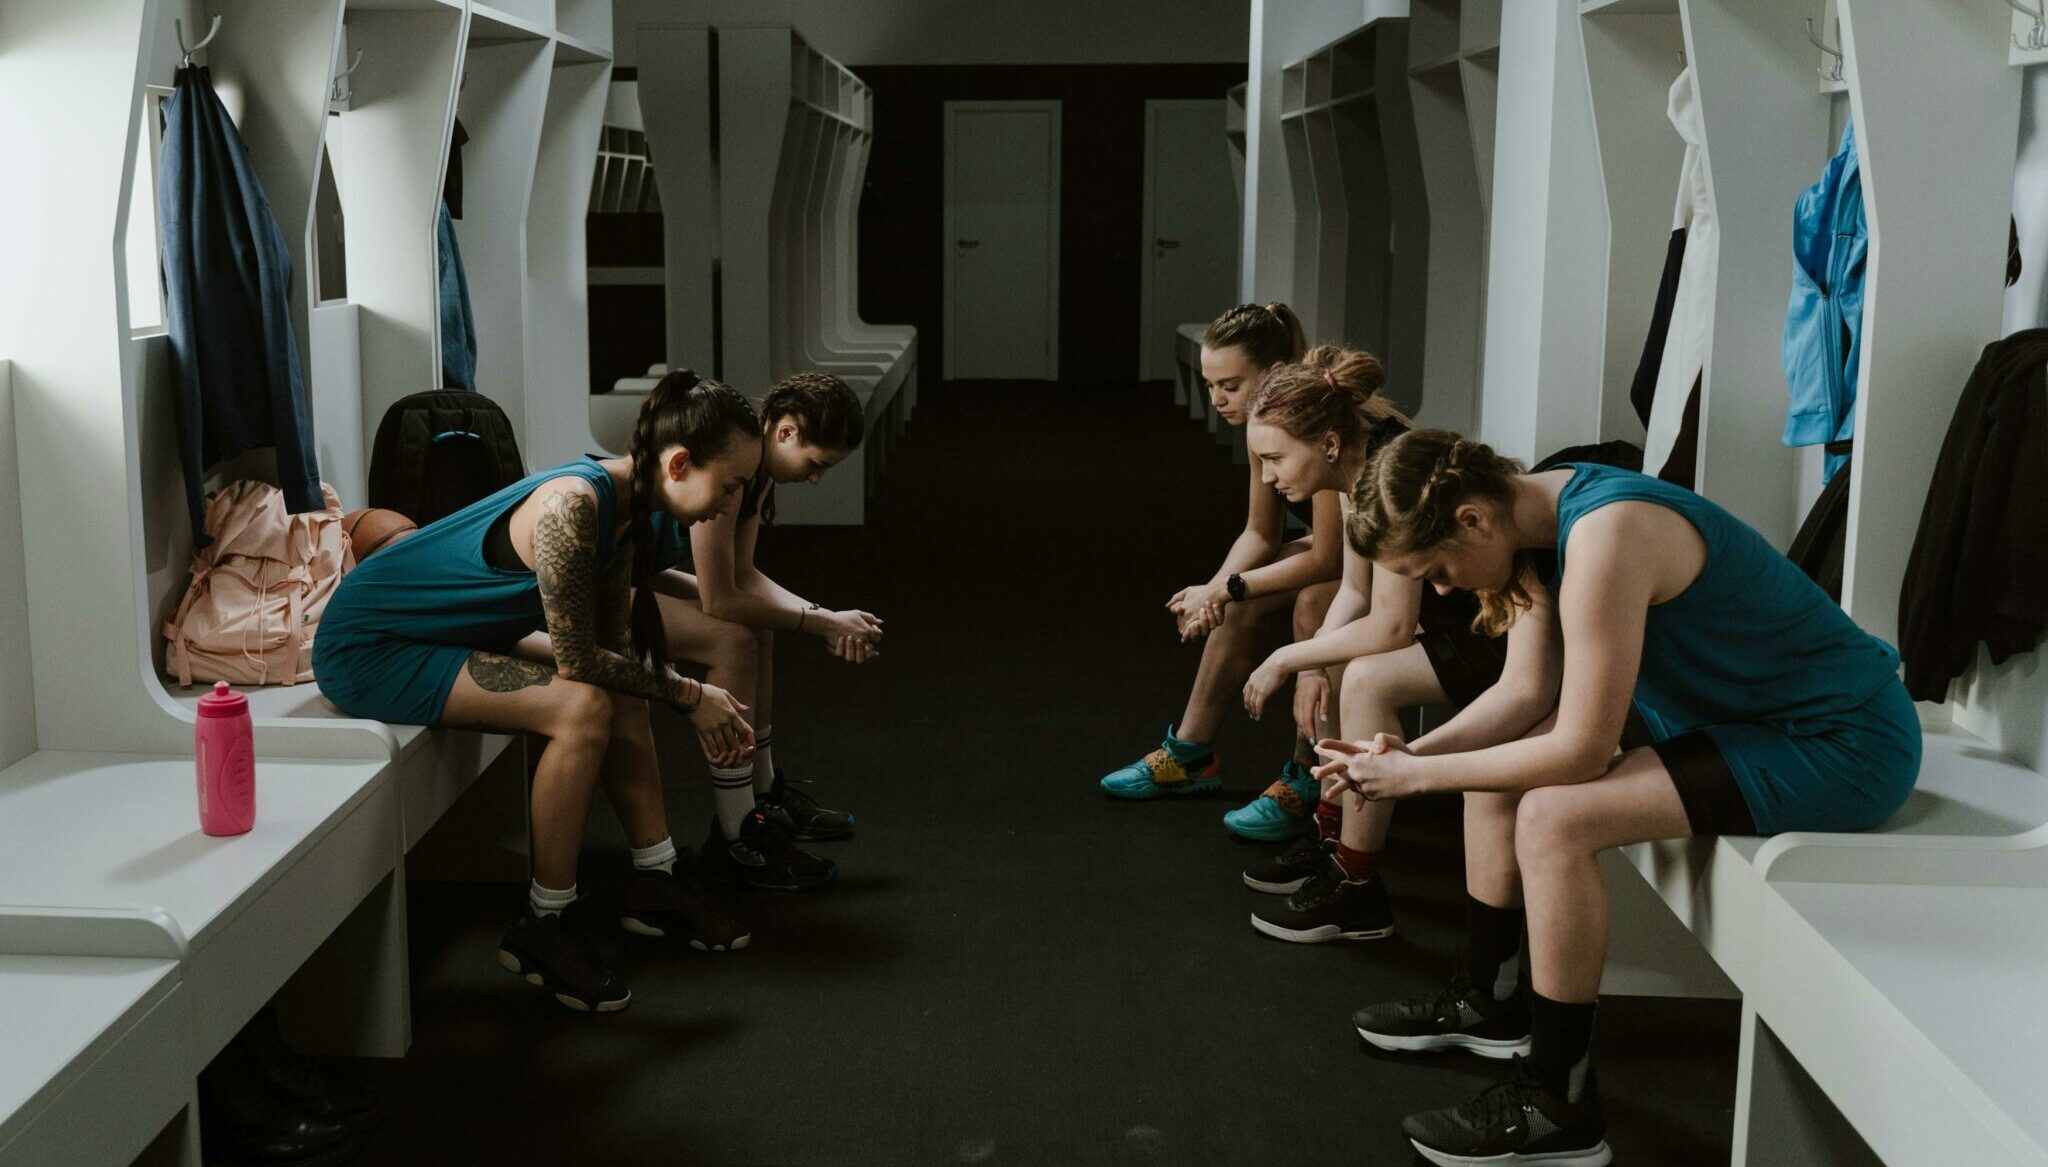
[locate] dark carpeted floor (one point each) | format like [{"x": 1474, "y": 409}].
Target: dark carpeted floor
[{"x": 1011, "y": 969}]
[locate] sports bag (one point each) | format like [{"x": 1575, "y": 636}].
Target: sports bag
[
  {"x": 437, "y": 452},
  {"x": 257, "y": 591}
]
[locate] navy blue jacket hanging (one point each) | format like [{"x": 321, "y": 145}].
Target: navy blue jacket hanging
[{"x": 227, "y": 281}]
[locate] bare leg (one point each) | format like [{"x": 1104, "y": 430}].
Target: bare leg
[
  {"x": 632, "y": 778},
  {"x": 1559, "y": 834},
  {"x": 501, "y": 693},
  {"x": 1376, "y": 689},
  {"x": 1228, "y": 657}
]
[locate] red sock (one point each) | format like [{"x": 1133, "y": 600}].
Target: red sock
[
  {"x": 1357, "y": 864},
  {"x": 1329, "y": 817}
]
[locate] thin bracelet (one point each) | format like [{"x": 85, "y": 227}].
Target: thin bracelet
[
  {"x": 690, "y": 702},
  {"x": 800, "y": 613}
]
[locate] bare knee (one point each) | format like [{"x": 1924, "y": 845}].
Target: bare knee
[
  {"x": 1544, "y": 828},
  {"x": 1365, "y": 684},
  {"x": 1308, "y": 614},
  {"x": 582, "y": 715}
]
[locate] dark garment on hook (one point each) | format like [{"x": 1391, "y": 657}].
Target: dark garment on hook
[
  {"x": 1979, "y": 568},
  {"x": 1643, "y": 390},
  {"x": 227, "y": 299},
  {"x": 1818, "y": 547}
]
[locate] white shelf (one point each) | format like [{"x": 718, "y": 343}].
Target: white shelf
[
  {"x": 1629, "y": 7},
  {"x": 570, "y": 50},
  {"x": 487, "y": 25}
]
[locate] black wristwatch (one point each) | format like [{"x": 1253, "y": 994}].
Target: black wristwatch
[{"x": 1235, "y": 586}]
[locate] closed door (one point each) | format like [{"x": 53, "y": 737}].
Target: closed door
[
  {"x": 1191, "y": 227},
  {"x": 1002, "y": 240}
]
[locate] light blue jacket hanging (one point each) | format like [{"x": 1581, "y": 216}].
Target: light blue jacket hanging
[{"x": 1824, "y": 322}]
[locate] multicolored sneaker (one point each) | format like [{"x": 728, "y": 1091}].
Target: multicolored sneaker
[
  {"x": 1285, "y": 810},
  {"x": 1167, "y": 770}
]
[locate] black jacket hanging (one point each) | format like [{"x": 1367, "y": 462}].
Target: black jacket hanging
[
  {"x": 1979, "y": 567},
  {"x": 1818, "y": 547},
  {"x": 227, "y": 293}
]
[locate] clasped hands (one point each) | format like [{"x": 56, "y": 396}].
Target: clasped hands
[
  {"x": 1198, "y": 609},
  {"x": 1382, "y": 767}
]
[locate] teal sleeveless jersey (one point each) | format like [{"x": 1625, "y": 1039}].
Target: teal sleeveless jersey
[
  {"x": 398, "y": 629},
  {"x": 1752, "y": 640}
]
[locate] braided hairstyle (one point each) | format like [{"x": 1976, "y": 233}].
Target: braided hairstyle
[
  {"x": 1270, "y": 334},
  {"x": 705, "y": 418},
  {"x": 1408, "y": 499},
  {"x": 1330, "y": 390},
  {"x": 828, "y": 415}
]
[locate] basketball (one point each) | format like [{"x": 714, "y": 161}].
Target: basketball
[{"x": 373, "y": 527}]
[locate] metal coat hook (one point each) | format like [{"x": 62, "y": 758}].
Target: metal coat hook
[
  {"x": 2036, "y": 38},
  {"x": 212, "y": 30},
  {"x": 335, "y": 94},
  {"x": 1832, "y": 71}
]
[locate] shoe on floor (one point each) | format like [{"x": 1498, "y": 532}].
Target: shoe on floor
[
  {"x": 553, "y": 952},
  {"x": 304, "y": 1085},
  {"x": 809, "y": 822},
  {"x": 1330, "y": 906},
  {"x": 763, "y": 857},
  {"x": 244, "y": 1120},
  {"x": 1285, "y": 810},
  {"x": 1519, "y": 1121},
  {"x": 656, "y": 903},
  {"x": 1284, "y": 873},
  {"x": 1164, "y": 772},
  {"x": 1456, "y": 1016}
]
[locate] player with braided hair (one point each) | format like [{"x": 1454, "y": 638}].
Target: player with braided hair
[
  {"x": 423, "y": 633},
  {"x": 1768, "y": 708}
]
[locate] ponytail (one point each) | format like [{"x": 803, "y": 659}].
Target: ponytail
[
  {"x": 1407, "y": 501},
  {"x": 1269, "y": 334},
  {"x": 705, "y": 418},
  {"x": 1330, "y": 390}
]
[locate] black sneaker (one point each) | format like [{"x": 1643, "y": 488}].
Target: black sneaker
[
  {"x": 762, "y": 857},
  {"x": 1519, "y": 1121},
  {"x": 1457, "y": 1016},
  {"x": 553, "y": 953},
  {"x": 808, "y": 822},
  {"x": 656, "y": 903},
  {"x": 1283, "y": 874},
  {"x": 1330, "y": 906}
]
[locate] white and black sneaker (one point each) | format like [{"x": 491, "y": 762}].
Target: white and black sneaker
[
  {"x": 1519, "y": 1121},
  {"x": 554, "y": 952},
  {"x": 1330, "y": 906},
  {"x": 1283, "y": 873},
  {"x": 763, "y": 857},
  {"x": 1458, "y": 1016}
]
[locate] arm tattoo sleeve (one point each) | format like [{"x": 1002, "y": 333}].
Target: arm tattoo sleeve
[{"x": 565, "y": 562}]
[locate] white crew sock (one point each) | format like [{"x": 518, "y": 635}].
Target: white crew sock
[
  {"x": 732, "y": 790},
  {"x": 764, "y": 761},
  {"x": 659, "y": 857},
  {"x": 546, "y": 901}
]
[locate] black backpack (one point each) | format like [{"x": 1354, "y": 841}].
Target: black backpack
[{"x": 439, "y": 451}]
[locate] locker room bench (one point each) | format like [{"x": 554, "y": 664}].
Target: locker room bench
[
  {"x": 103, "y": 870},
  {"x": 93, "y": 1067},
  {"x": 1890, "y": 978}
]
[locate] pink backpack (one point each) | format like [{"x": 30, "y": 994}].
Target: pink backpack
[{"x": 257, "y": 591}]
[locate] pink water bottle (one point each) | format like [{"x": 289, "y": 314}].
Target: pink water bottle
[{"x": 224, "y": 746}]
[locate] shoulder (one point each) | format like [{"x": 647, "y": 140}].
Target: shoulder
[{"x": 569, "y": 496}]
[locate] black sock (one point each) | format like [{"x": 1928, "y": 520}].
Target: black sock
[
  {"x": 1493, "y": 947},
  {"x": 1561, "y": 1044}
]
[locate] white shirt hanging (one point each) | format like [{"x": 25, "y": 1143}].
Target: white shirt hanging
[{"x": 1692, "y": 309}]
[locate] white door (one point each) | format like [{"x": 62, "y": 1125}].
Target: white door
[
  {"x": 1002, "y": 240},
  {"x": 1191, "y": 227}
]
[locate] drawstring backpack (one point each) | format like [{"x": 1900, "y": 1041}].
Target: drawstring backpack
[{"x": 257, "y": 591}]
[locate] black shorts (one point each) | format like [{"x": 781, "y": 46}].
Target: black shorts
[
  {"x": 1713, "y": 801},
  {"x": 1466, "y": 663}
]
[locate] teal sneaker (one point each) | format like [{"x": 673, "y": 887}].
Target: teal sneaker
[
  {"x": 1166, "y": 771},
  {"x": 1285, "y": 810}
]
